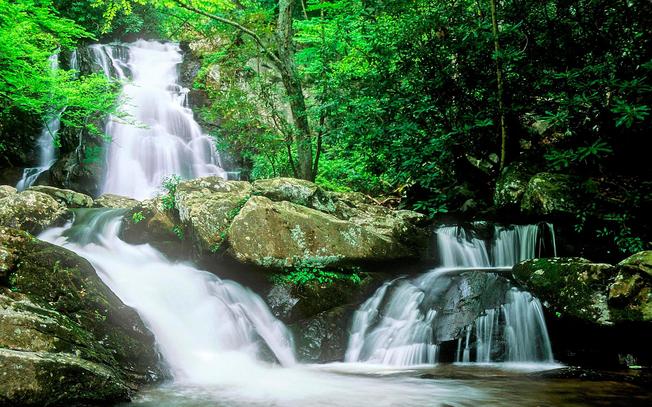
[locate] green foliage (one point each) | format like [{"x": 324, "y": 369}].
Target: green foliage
[
  {"x": 31, "y": 32},
  {"x": 168, "y": 200},
  {"x": 306, "y": 274},
  {"x": 178, "y": 230},
  {"x": 137, "y": 217}
]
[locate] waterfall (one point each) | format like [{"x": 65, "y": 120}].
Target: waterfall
[
  {"x": 202, "y": 324},
  {"x": 159, "y": 136},
  {"x": 400, "y": 323},
  {"x": 459, "y": 249},
  {"x": 46, "y": 146}
]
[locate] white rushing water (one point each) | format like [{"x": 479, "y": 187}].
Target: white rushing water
[
  {"x": 46, "y": 146},
  {"x": 159, "y": 136},
  {"x": 397, "y": 325},
  {"x": 201, "y": 323}
]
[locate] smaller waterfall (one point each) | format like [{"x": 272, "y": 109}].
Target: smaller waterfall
[
  {"x": 457, "y": 248},
  {"x": 401, "y": 323},
  {"x": 46, "y": 146},
  {"x": 524, "y": 332}
]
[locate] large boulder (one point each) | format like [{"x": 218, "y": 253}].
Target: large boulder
[
  {"x": 551, "y": 194},
  {"x": 48, "y": 359},
  {"x": 31, "y": 211},
  {"x": 596, "y": 293},
  {"x": 67, "y": 197},
  {"x": 630, "y": 294},
  {"x": 284, "y": 234},
  {"x": 82, "y": 316},
  {"x": 640, "y": 263},
  {"x": 511, "y": 185}
]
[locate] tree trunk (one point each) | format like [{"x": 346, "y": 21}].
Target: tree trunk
[
  {"x": 500, "y": 85},
  {"x": 293, "y": 88}
]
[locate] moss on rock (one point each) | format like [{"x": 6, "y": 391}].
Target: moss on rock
[{"x": 31, "y": 211}]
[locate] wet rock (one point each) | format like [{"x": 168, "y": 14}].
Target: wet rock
[
  {"x": 31, "y": 211},
  {"x": 323, "y": 337},
  {"x": 570, "y": 286},
  {"x": 69, "y": 198},
  {"x": 56, "y": 379},
  {"x": 115, "y": 202},
  {"x": 67, "y": 290},
  {"x": 511, "y": 185},
  {"x": 550, "y": 194}
]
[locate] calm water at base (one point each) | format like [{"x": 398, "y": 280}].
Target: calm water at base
[{"x": 351, "y": 385}]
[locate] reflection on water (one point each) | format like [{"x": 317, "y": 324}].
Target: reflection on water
[{"x": 351, "y": 385}]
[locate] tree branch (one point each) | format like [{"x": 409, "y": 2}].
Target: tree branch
[{"x": 233, "y": 24}]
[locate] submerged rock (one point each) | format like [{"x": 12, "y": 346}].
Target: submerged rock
[
  {"x": 31, "y": 211},
  {"x": 69, "y": 198},
  {"x": 61, "y": 326}
]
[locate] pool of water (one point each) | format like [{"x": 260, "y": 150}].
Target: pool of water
[{"x": 350, "y": 385}]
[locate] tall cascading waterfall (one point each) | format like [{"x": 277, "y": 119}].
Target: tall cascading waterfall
[
  {"x": 202, "y": 324},
  {"x": 158, "y": 137},
  {"x": 398, "y": 324},
  {"x": 46, "y": 146}
]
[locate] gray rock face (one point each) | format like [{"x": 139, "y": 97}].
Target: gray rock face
[{"x": 31, "y": 211}]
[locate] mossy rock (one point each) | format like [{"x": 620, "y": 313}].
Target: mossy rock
[
  {"x": 31, "y": 211},
  {"x": 206, "y": 207},
  {"x": 571, "y": 286},
  {"x": 6, "y": 190},
  {"x": 149, "y": 223},
  {"x": 70, "y": 199},
  {"x": 551, "y": 194},
  {"x": 640, "y": 262},
  {"x": 57, "y": 279},
  {"x": 56, "y": 379},
  {"x": 511, "y": 185},
  {"x": 294, "y": 190}
]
